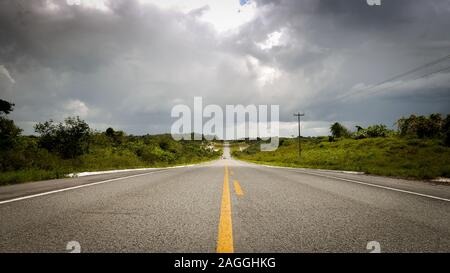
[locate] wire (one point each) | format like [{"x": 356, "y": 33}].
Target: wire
[
  {"x": 401, "y": 76},
  {"x": 419, "y": 77}
]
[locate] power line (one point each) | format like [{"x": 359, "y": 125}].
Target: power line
[
  {"x": 413, "y": 70},
  {"x": 432, "y": 73},
  {"x": 419, "y": 77},
  {"x": 437, "y": 61}
]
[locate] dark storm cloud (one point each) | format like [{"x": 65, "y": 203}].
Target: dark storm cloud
[
  {"x": 367, "y": 44},
  {"x": 334, "y": 25},
  {"x": 126, "y": 67},
  {"x": 81, "y": 39},
  {"x": 130, "y": 59}
]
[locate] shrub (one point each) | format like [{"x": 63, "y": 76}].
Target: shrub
[
  {"x": 422, "y": 127},
  {"x": 379, "y": 130},
  {"x": 68, "y": 139},
  {"x": 446, "y": 130},
  {"x": 338, "y": 130}
]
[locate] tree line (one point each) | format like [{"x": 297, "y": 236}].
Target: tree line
[
  {"x": 71, "y": 145},
  {"x": 414, "y": 126}
]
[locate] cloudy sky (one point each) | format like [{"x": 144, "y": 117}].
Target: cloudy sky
[{"x": 126, "y": 63}]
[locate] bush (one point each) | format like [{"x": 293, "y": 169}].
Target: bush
[
  {"x": 69, "y": 139},
  {"x": 423, "y": 127},
  {"x": 373, "y": 131},
  {"x": 377, "y": 131},
  {"x": 116, "y": 137},
  {"x": 445, "y": 129},
  {"x": 9, "y": 139},
  {"x": 9, "y": 133},
  {"x": 338, "y": 130},
  {"x": 6, "y": 107}
]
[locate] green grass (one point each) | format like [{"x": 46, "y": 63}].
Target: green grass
[
  {"x": 142, "y": 152},
  {"x": 14, "y": 177},
  {"x": 29, "y": 175},
  {"x": 399, "y": 157}
]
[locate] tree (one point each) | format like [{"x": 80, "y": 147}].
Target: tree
[
  {"x": 446, "y": 130},
  {"x": 116, "y": 136},
  {"x": 9, "y": 132},
  {"x": 379, "y": 130},
  {"x": 421, "y": 126},
  {"x": 109, "y": 132},
  {"x": 434, "y": 125},
  {"x": 9, "y": 137},
  {"x": 338, "y": 130},
  {"x": 6, "y": 107},
  {"x": 69, "y": 139}
]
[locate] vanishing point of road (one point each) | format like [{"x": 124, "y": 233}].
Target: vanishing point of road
[{"x": 226, "y": 206}]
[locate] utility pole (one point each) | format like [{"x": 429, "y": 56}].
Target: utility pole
[{"x": 298, "y": 115}]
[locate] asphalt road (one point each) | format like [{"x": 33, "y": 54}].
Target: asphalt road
[{"x": 226, "y": 206}]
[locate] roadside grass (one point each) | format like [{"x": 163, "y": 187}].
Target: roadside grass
[
  {"x": 394, "y": 156},
  {"x": 29, "y": 175},
  {"x": 14, "y": 177},
  {"x": 105, "y": 158}
]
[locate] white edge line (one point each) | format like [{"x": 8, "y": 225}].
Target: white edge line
[
  {"x": 317, "y": 170},
  {"x": 358, "y": 182},
  {"x": 377, "y": 186},
  {"x": 75, "y": 187},
  {"x": 294, "y": 168},
  {"x": 83, "y": 174},
  {"x": 299, "y": 170}
]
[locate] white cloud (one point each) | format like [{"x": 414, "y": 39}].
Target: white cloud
[
  {"x": 273, "y": 39},
  {"x": 76, "y": 108},
  {"x": 92, "y": 4},
  {"x": 265, "y": 75},
  {"x": 5, "y": 72},
  {"x": 224, "y": 15}
]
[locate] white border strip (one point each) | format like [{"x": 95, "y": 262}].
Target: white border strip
[
  {"x": 294, "y": 168},
  {"x": 75, "y": 187},
  {"x": 317, "y": 170},
  {"x": 376, "y": 186},
  {"x": 125, "y": 170},
  {"x": 302, "y": 170}
]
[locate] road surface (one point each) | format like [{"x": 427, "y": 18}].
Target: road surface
[{"x": 226, "y": 206}]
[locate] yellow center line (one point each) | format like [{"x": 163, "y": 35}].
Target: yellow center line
[
  {"x": 237, "y": 188},
  {"x": 225, "y": 234}
]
